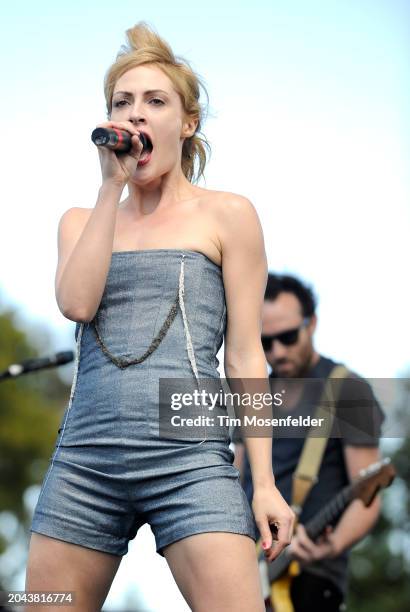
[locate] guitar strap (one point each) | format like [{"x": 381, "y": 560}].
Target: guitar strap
[{"x": 305, "y": 475}]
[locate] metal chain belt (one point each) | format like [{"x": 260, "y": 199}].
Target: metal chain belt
[{"x": 124, "y": 363}]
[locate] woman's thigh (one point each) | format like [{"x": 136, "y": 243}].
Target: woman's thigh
[
  {"x": 54, "y": 565},
  {"x": 217, "y": 571}
]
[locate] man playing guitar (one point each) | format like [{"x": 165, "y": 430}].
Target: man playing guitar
[{"x": 288, "y": 326}]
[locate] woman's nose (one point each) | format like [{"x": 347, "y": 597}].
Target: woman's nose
[{"x": 137, "y": 117}]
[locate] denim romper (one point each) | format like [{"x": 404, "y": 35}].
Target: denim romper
[{"x": 162, "y": 314}]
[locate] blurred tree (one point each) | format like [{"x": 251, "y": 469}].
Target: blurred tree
[
  {"x": 31, "y": 408},
  {"x": 380, "y": 564}
]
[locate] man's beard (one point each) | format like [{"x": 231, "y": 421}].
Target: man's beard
[{"x": 297, "y": 371}]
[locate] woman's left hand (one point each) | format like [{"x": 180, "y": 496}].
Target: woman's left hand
[{"x": 269, "y": 508}]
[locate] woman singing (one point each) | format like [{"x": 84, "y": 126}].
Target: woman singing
[{"x": 154, "y": 283}]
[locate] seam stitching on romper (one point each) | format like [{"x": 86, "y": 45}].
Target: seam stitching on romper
[
  {"x": 73, "y": 388},
  {"x": 149, "y": 374},
  {"x": 189, "y": 345},
  {"x": 219, "y": 332}
]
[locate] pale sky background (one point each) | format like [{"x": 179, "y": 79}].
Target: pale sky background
[{"x": 309, "y": 119}]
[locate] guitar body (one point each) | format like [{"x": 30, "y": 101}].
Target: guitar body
[
  {"x": 276, "y": 580},
  {"x": 280, "y": 595},
  {"x": 280, "y": 573},
  {"x": 281, "y": 600},
  {"x": 277, "y": 577}
]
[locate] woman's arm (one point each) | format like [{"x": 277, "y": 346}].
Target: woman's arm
[
  {"x": 85, "y": 239},
  {"x": 244, "y": 268}
]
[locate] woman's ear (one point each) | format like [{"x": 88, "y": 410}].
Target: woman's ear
[{"x": 189, "y": 126}]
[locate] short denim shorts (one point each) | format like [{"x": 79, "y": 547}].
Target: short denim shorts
[{"x": 99, "y": 496}]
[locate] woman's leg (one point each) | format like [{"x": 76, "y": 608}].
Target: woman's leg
[
  {"x": 217, "y": 571},
  {"x": 55, "y": 566}
]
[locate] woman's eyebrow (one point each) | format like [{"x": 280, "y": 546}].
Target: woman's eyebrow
[{"x": 148, "y": 92}]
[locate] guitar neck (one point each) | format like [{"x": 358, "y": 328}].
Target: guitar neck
[
  {"x": 375, "y": 477},
  {"x": 329, "y": 513}
]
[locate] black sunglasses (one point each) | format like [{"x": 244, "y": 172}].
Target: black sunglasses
[{"x": 289, "y": 337}]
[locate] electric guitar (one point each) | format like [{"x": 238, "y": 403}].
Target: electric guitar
[{"x": 278, "y": 575}]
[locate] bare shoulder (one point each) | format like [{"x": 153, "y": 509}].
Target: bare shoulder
[
  {"x": 70, "y": 228},
  {"x": 71, "y": 225},
  {"x": 245, "y": 270},
  {"x": 75, "y": 215},
  {"x": 235, "y": 217},
  {"x": 226, "y": 203}
]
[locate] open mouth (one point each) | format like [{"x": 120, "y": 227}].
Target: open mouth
[
  {"x": 147, "y": 145},
  {"x": 147, "y": 148}
]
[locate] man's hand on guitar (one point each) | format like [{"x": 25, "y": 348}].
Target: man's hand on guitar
[
  {"x": 274, "y": 518},
  {"x": 303, "y": 549}
]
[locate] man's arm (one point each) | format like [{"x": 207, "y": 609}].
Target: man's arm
[
  {"x": 358, "y": 520},
  {"x": 354, "y": 524}
]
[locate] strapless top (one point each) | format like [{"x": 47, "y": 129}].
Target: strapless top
[{"x": 162, "y": 315}]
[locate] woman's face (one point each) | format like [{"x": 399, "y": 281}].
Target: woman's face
[{"x": 146, "y": 96}]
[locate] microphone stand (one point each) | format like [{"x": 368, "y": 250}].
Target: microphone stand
[{"x": 41, "y": 363}]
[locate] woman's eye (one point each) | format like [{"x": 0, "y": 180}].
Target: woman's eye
[
  {"x": 119, "y": 103},
  {"x": 156, "y": 101}
]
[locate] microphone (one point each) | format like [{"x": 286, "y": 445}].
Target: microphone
[
  {"x": 116, "y": 140},
  {"x": 30, "y": 365}
]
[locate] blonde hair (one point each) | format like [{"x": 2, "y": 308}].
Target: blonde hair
[{"x": 145, "y": 46}]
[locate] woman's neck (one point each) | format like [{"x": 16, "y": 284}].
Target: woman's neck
[{"x": 160, "y": 193}]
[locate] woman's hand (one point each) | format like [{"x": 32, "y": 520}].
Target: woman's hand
[
  {"x": 270, "y": 509},
  {"x": 116, "y": 168}
]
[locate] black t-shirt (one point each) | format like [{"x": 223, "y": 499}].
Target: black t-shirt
[{"x": 332, "y": 476}]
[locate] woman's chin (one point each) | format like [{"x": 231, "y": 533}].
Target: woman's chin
[
  {"x": 143, "y": 177},
  {"x": 148, "y": 173}
]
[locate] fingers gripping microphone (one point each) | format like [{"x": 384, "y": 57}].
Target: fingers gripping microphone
[{"x": 116, "y": 140}]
